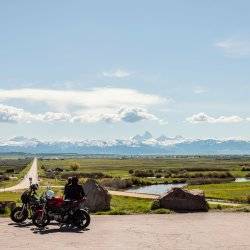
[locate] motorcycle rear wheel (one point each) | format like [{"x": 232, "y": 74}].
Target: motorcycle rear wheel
[
  {"x": 40, "y": 221},
  {"x": 81, "y": 219},
  {"x": 19, "y": 215}
]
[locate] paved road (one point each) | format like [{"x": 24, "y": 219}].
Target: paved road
[
  {"x": 25, "y": 183},
  {"x": 173, "y": 231}
]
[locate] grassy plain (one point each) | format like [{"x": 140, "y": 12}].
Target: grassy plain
[
  {"x": 226, "y": 191},
  {"x": 119, "y": 167}
]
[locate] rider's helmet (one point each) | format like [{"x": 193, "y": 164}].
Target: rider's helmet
[
  {"x": 74, "y": 180},
  {"x": 50, "y": 194},
  {"x": 34, "y": 187},
  {"x": 69, "y": 180}
]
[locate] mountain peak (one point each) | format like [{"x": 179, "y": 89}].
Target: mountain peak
[
  {"x": 140, "y": 138},
  {"x": 147, "y": 135},
  {"x": 162, "y": 138}
]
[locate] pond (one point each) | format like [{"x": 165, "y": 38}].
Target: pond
[
  {"x": 155, "y": 189},
  {"x": 242, "y": 179},
  {"x": 162, "y": 188}
]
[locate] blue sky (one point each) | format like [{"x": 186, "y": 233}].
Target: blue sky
[{"x": 112, "y": 69}]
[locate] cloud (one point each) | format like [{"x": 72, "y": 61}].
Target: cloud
[
  {"x": 52, "y": 117},
  {"x": 199, "y": 90},
  {"x": 89, "y": 99},
  {"x": 94, "y": 105},
  {"x": 130, "y": 115},
  {"x": 12, "y": 115},
  {"x": 119, "y": 73},
  {"x": 9, "y": 114},
  {"x": 204, "y": 118},
  {"x": 234, "y": 48}
]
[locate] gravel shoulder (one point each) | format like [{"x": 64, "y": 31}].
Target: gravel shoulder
[{"x": 172, "y": 231}]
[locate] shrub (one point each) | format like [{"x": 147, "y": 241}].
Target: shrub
[
  {"x": 117, "y": 183},
  {"x": 93, "y": 175},
  {"x": 245, "y": 169},
  {"x": 143, "y": 173},
  {"x": 202, "y": 181},
  {"x": 155, "y": 205},
  {"x": 140, "y": 182},
  {"x": 131, "y": 171},
  {"x": 219, "y": 207},
  {"x": 248, "y": 199},
  {"x": 10, "y": 170},
  {"x": 75, "y": 166},
  {"x": 167, "y": 175},
  {"x": 158, "y": 176}
]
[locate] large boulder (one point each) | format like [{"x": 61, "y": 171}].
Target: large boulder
[
  {"x": 98, "y": 198},
  {"x": 179, "y": 199}
]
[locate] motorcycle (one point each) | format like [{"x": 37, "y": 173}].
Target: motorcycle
[
  {"x": 66, "y": 212},
  {"x": 30, "y": 203}
]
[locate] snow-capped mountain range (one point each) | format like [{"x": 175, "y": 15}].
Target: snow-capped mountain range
[{"x": 144, "y": 144}]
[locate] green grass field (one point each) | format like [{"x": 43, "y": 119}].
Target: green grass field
[
  {"x": 120, "y": 167},
  {"x": 227, "y": 191}
]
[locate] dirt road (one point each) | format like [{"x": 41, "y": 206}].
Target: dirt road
[
  {"x": 23, "y": 184},
  {"x": 173, "y": 231}
]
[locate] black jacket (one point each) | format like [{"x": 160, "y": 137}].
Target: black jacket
[{"x": 74, "y": 192}]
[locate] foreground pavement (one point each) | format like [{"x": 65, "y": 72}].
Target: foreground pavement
[{"x": 174, "y": 231}]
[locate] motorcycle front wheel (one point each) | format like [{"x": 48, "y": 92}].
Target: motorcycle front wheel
[
  {"x": 81, "y": 219},
  {"x": 19, "y": 215},
  {"x": 40, "y": 220}
]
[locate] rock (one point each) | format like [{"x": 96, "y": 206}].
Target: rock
[
  {"x": 179, "y": 199},
  {"x": 6, "y": 204},
  {"x": 98, "y": 198}
]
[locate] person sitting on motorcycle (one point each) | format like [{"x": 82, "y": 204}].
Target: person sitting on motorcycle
[
  {"x": 75, "y": 191},
  {"x": 66, "y": 188}
]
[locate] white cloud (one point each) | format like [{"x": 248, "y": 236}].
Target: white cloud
[
  {"x": 204, "y": 118},
  {"x": 94, "y": 98},
  {"x": 129, "y": 115},
  {"x": 14, "y": 115},
  {"x": 199, "y": 90},
  {"x": 234, "y": 47},
  {"x": 119, "y": 73},
  {"x": 99, "y": 104},
  {"x": 11, "y": 114},
  {"x": 51, "y": 117}
]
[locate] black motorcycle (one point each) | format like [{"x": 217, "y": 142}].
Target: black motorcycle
[{"x": 30, "y": 203}]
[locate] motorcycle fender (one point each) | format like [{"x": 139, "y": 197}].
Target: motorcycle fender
[{"x": 84, "y": 209}]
